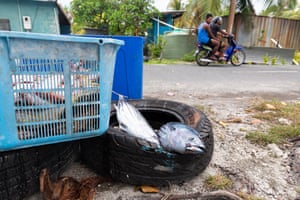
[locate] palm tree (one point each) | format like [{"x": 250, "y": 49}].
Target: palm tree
[
  {"x": 245, "y": 7},
  {"x": 175, "y": 5},
  {"x": 197, "y": 9},
  {"x": 285, "y": 9}
]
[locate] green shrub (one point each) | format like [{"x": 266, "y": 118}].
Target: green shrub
[
  {"x": 189, "y": 57},
  {"x": 156, "y": 49},
  {"x": 266, "y": 58},
  {"x": 274, "y": 60},
  {"x": 283, "y": 61}
]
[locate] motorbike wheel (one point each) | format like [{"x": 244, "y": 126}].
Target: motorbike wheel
[
  {"x": 238, "y": 57},
  {"x": 201, "y": 53},
  {"x": 133, "y": 162}
]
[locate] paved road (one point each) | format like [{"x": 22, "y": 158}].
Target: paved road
[{"x": 222, "y": 79}]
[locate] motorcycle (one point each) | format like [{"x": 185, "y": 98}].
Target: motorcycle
[{"x": 234, "y": 53}]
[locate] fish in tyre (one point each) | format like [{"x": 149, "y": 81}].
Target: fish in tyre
[{"x": 136, "y": 161}]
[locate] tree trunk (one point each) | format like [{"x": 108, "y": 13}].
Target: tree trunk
[{"x": 231, "y": 16}]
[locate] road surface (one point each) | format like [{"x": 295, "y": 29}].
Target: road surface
[{"x": 219, "y": 80}]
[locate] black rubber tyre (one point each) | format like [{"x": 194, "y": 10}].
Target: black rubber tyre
[
  {"x": 133, "y": 163},
  {"x": 201, "y": 54},
  {"x": 94, "y": 153},
  {"x": 20, "y": 169},
  {"x": 238, "y": 57}
]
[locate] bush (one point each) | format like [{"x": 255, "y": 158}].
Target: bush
[
  {"x": 156, "y": 49},
  {"x": 189, "y": 57}
]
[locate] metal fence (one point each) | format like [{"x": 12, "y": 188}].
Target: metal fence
[{"x": 261, "y": 31}]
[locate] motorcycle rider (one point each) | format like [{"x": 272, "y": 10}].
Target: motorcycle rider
[
  {"x": 216, "y": 30},
  {"x": 205, "y": 36}
]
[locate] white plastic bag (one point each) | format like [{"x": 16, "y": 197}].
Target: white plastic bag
[{"x": 132, "y": 122}]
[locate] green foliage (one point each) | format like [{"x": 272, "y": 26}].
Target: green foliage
[
  {"x": 189, "y": 57},
  {"x": 266, "y": 58},
  {"x": 272, "y": 111},
  {"x": 283, "y": 9},
  {"x": 89, "y": 13},
  {"x": 131, "y": 17},
  {"x": 277, "y": 135},
  {"x": 156, "y": 49},
  {"x": 218, "y": 182},
  {"x": 297, "y": 55},
  {"x": 274, "y": 60},
  {"x": 162, "y": 61},
  {"x": 175, "y": 5},
  {"x": 122, "y": 17},
  {"x": 282, "y": 61},
  {"x": 196, "y": 11}
]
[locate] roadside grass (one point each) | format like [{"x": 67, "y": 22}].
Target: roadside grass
[
  {"x": 246, "y": 196},
  {"x": 221, "y": 182},
  {"x": 204, "y": 108},
  {"x": 218, "y": 182},
  {"x": 283, "y": 118},
  {"x": 163, "y": 61}
]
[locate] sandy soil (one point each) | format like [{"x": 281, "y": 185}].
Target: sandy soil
[{"x": 270, "y": 172}]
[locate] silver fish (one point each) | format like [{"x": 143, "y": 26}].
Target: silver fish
[
  {"x": 132, "y": 122},
  {"x": 180, "y": 138}
]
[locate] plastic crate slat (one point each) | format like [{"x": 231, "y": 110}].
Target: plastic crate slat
[{"x": 54, "y": 88}]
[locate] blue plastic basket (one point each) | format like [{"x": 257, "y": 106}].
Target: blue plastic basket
[{"x": 54, "y": 88}]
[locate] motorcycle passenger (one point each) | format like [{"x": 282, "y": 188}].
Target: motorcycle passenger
[
  {"x": 205, "y": 36},
  {"x": 215, "y": 27}
]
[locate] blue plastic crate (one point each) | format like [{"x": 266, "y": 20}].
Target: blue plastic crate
[{"x": 54, "y": 88}]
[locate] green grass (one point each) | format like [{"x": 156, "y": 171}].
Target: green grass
[
  {"x": 266, "y": 58},
  {"x": 276, "y": 134},
  {"x": 290, "y": 111},
  {"x": 163, "y": 61},
  {"x": 271, "y": 112},
  {"x": 218, "y": 182},
  {"x": 245, "y": 196}
]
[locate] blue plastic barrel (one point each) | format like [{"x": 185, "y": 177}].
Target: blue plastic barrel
[{"x": 128, "y": 76}]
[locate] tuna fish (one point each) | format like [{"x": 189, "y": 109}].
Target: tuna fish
[{"x": 180, "y": 138}]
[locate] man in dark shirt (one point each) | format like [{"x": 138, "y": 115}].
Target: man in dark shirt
[{"x": 216, "y": 30}]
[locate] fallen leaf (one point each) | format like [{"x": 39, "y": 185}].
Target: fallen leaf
[
  {"x": 234, "y": 120},
  {"x": 223, "y": 123},
  {"x": 255, "y": 121},
  {"x": 148, "y": 189},
  {"x": 270, "y": 107},
  {"x": 283, "y": 103}
]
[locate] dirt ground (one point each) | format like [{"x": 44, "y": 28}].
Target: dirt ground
[{"x": 271, "y": 172}]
